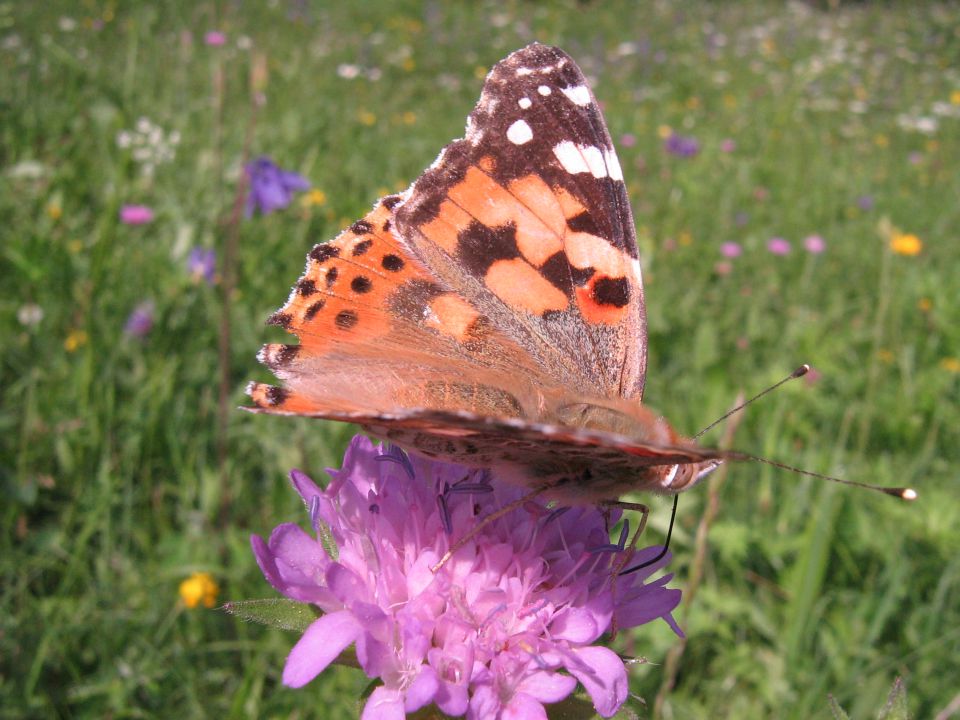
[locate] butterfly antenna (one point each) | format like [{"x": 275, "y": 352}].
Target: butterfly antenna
[
  {"x": 798, "y": 373},
  {"x": 904, "y": 493}
]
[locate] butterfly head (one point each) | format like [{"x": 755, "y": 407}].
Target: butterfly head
[{"x": 676, "y": 478}]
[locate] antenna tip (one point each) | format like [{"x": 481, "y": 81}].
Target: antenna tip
[
  {"x": 801, "y": 371},
  {"x": 908, "y": 494}
]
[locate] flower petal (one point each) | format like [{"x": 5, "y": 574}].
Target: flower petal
[
  {"x": 294, "y": 563},
  {"x": 602, "y": 674},
  {"x": 547, "y": 687},
  {"x": 322, "y": 642},
  {"x": 422, "y": 690},
  {"x": 384, "y": 704},
  {"x": 523, "y": 707},
  {"x": 576, "y": 625}
]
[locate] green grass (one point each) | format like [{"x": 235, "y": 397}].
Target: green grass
[{"x": 112, "y": 490}]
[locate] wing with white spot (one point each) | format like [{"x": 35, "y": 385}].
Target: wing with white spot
[{"x": 529, "y": 219}]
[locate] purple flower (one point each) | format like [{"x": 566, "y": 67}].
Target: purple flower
[
  {"x": 510, "y": 623},
  {"x": 728, "y": 145},
  {"x": 814, "y": 244},
  {"x": 731, "y": 250},
  {"x": 628, "y": 140},
  {"x": 778, "y": 246},
  {"x": 271, "y": 188},
  {"x": 681, "y": 145},
  {"x": 865, "y": 202},
  {"x": 215, "y": 38},
  {"x": 202, "y": 265},
  {"x": 135, "y": 214},
  {"x": 140, "y": 321}
]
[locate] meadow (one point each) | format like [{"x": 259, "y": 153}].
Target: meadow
[{"x": 793, "y": 173}]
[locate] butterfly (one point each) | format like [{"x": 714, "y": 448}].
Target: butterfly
[{"x": 493, "y": 313}]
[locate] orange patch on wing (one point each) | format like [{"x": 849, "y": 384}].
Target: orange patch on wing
[
  {"x": 269, "y": 397},
  {"x": 452, "y": 315},
  {"x": 444, "y": 228},
  {"x": 594, "y": 312},
  {"x": 585, "y": 250},
  {"x": 522, "y": 287},
  {"x": 569, "y": 204},
  {"x": 493, "y": 205}
]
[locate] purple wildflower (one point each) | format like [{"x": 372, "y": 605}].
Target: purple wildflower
[
  {"x": 489, "y": 633},
  {"x": 271, "y": 188},
  {"x": 731, "y": 250},
  {"x": 814, "y": 244},
  {"x": 135, "y": 214},
  {"x": 202, "y": 264},
  {"x": 628, "y": 140},
  {"x": 728, "y": 145},
  {"x": 778, "y": 246},
  {"x": 215, "y": 38},
  {"x": 140, "y": 322},
  {"x": 681, "y": 145},
  {"x": 865, "y": 202}
]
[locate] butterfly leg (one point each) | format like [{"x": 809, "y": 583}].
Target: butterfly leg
[
  {"x": 628, "y": 549},
  {"x": 492, "y": 517}
]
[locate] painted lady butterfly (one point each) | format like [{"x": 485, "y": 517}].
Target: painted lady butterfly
[{"x": 493, "y": 314}]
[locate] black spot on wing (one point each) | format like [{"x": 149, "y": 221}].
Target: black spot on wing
[
  {"x": 393, "y": 263},
  {"x": 479, "y": 246},
  {"x": 611, "y": 291},
  {"x": 346, "y": 319},
  {"x": 361, "y": 284},
  {"x": 564, "y": 276},
  {"x": 361, "y": 227},
  {"x": 361, "y": 247},
  {"x": 306, "y": 287},
  {"x": 322, "y": 253},
  {"x": 314, "y": 309}
]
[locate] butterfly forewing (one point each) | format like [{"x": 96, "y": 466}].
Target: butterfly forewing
[{"x": 529, "y": 214}]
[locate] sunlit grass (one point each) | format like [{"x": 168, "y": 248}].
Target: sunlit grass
[{"x": 842, "y": 124}]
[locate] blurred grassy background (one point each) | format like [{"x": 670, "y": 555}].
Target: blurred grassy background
[{"x": 840, "y": 123}]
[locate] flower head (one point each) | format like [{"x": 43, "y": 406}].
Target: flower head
[
  {"x": 507, "y": 625},
  {"x": 271, "y": 187},
  {"x": 731, "y": 250},
  {"x": 778, "y": 246},
  {"x": 135, "y": 215},
  {"x": 202, "y": 264},
  {"x": 215, "y": 38},
  {"x": 200, "y": 587},
  {"x": 814, "y": 244},
  {"x": 681, "y": 145},
  {"x": 905, "y": 244},
  {"x": 140, "y": 322}
]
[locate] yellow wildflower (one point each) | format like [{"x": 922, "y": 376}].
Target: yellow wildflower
[
  {"x": 75, "y": 339},
  {"x": 199, "y": 588},
  {"x": 314, "y": 198},
  {"x": 955, "y": 97},
  {"x": 951, "y": 364},
  {"x": 881, "y": 140},
  {"x": 885, "y": 356},
  {"x": 409, "y": 118},
  {"x": 905, "y": 244},
  {"x": 408, "y": 64},
  {"x": 75, "y": 246},
  {"x": 693, "y": 102},
  {"x": 366, "y": 118},
  {"x": 54, "y": 210},
  {"x": 664, "y": 131},
  {"x": 924, "y": 305},
  {"x": 685, "y": 239}
]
